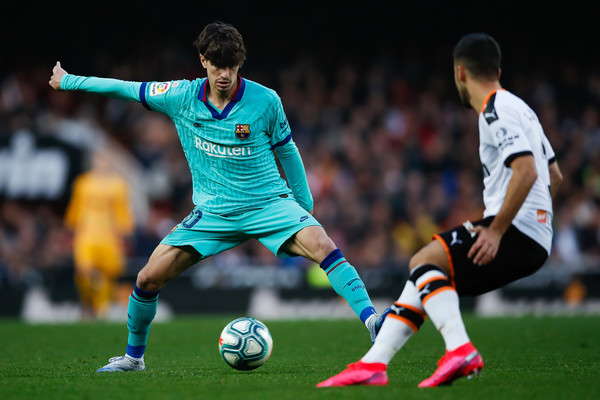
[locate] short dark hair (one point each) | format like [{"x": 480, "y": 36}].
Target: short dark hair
[
  {"x": 480, "y": 55},
  {"x": 222, "y": 45}
]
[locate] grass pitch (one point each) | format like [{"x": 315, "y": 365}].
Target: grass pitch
[{"x": 525, "y": 358}]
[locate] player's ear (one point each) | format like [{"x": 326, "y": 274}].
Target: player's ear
[
  {"x": 460, "y": 73},
  {"x": 202, "y": 60},
  {"x": 499, "y": 73}
]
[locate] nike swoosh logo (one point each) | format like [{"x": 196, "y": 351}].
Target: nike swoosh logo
[{"x": 353, "y": 280}]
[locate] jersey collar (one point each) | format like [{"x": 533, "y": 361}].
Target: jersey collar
[
  {"x": 487, "y": 98},
  {"x": 237, "y": 96}
]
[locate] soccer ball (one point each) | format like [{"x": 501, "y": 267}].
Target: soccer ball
[{"x": 245, "y": 343}]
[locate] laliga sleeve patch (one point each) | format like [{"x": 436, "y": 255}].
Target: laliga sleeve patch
[{"x": 158, "y": 88}]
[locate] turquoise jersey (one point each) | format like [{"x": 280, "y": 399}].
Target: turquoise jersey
[{"x": 230, "y": 152}]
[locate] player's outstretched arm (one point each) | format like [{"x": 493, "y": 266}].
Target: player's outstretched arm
[{"x": 115, "y": 88}]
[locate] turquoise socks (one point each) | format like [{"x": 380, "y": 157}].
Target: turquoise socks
[
  {"x": 346, "y": 282},
  {"x": 140, "y": 313}
]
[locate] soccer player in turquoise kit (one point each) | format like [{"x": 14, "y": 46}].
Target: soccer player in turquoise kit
[{"x": 230, "y": 130}]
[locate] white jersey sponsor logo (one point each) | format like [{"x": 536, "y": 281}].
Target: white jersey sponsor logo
[{"x": 217, "y": 150}]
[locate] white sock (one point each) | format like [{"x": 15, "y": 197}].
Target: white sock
[
  {"x": 441, "y": 303},
  {"x": 405, "y": 319}
]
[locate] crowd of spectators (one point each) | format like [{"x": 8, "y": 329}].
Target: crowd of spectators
[{"x": 390, "y": 154}]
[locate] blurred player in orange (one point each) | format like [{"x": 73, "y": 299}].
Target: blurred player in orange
[{"x": 100, "y": 217}]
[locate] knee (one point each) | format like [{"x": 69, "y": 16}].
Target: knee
[
  {"x": 148, "y": 281},
  {"x": 416, "y": 260},
  {"x": 433, "y": 254},
  {"x": 426, "y": 255},
  {"x": 319, "y": 246},
  {"x": 325, "y": 246}
]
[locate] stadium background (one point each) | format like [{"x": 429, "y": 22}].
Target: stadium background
[{"x": 390, "y": 154}]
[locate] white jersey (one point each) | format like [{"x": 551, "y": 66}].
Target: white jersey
[{"x": 508, "y": 128}]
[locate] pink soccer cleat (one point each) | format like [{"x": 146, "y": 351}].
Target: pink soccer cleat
[
  {"x": 359, "y": 373},
  {"x": 464, "y": 361}
]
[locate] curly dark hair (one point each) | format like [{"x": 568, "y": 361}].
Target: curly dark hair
[{"x": 222, "y": 45}]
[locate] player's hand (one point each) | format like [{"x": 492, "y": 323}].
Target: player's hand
[
  {"x": 57, "y": 73},
  {"x": 486, "y": 246}
]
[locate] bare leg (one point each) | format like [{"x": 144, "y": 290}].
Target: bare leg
[
  {"x": 165, "y": 263},
  {"x": 313, "y": 243}
]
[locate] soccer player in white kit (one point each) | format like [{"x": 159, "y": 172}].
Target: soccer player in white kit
[{"x": 513, "y": 240}]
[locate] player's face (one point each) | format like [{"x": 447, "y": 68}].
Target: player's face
[{"x": 221, "y": 79}]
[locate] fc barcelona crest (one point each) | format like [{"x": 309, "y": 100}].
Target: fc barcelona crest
[{"x": 242, "y": 131}]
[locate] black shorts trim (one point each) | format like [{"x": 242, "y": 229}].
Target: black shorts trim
[{"x": 518, "y": 256}]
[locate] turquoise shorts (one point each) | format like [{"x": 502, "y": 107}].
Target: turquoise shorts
[{"x": 212, "y": 234}]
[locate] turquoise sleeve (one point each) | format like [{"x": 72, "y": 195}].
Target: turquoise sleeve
[
  {"x": 290, "y": 159},
  {"x": 124, "y": 90}
]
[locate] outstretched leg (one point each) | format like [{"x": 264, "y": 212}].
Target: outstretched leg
[
  {"x": 313, "y": 243},
  {"x": 165, "y": 263}
]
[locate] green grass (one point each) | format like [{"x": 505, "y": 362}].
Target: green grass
[{"x": 525, "y": 358}]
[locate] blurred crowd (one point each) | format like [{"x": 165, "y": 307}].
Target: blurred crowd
[{"x": 390, "y": 154}]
